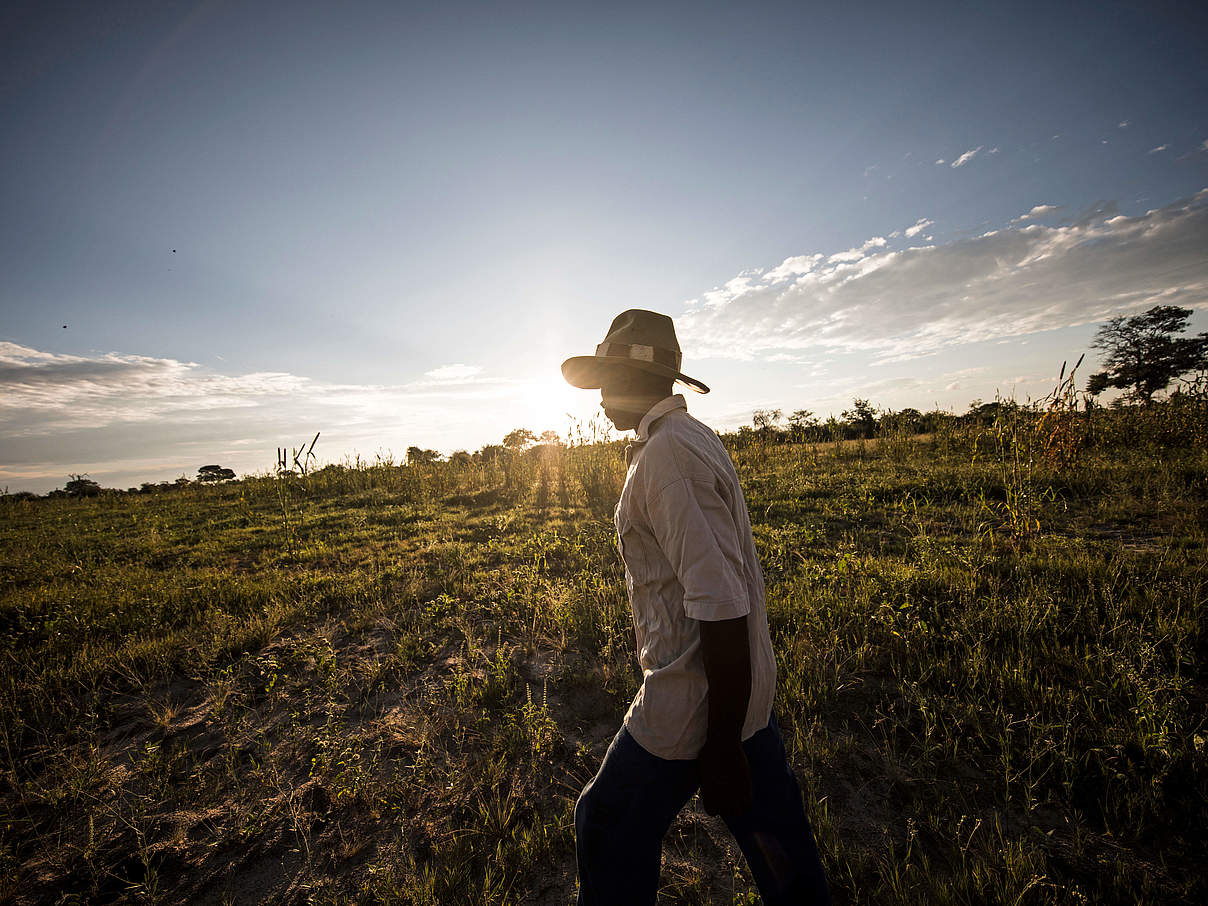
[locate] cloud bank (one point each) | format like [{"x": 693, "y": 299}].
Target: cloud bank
[
  {"x": 128, "y": 418},
  {"x": 44, "y": 392},
  {"x": 899, "y": 304}
]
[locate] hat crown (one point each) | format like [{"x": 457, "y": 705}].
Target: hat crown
[
  {"x": 639, "y": 339},
  {"x": 639, "y": 327}
]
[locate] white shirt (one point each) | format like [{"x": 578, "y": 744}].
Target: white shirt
[{"x": 685, "y": 536}]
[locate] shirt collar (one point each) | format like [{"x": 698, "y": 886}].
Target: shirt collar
[{"x": 657, "y": 411}]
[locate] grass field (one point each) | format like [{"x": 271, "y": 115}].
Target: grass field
[{"x": 387, "y": 684}]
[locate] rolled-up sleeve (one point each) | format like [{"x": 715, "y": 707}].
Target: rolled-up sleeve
[{"x": 695, "y": 529}]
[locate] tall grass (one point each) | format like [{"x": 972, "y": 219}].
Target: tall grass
[{"x": 593, "y": 459}]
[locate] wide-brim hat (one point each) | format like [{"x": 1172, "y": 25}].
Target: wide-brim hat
[{"x": 639, "y": 339}]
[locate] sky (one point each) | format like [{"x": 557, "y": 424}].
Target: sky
[{"x": 225, "y": 226}]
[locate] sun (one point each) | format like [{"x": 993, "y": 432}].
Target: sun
[{"x": 551, "y": 404}]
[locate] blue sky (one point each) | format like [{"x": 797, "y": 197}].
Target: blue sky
[{"x": 390, "y": 223}]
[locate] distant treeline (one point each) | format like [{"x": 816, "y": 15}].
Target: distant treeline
[
  {"x": 1070, "y": 421},
  {"x": 864, "y": 421}
]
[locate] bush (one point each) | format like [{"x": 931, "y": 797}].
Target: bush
[{"x": 80, "y": 486}]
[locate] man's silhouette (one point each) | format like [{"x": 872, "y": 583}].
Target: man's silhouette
[{"x": 703, "y": 716}]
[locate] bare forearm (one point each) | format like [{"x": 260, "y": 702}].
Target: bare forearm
[{"x": 727, "y": 656}]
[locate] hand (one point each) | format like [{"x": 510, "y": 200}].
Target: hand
[{"x": 725, "y": 779}]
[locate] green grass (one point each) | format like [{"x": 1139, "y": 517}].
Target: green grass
[{"x": 388, "y": 684}]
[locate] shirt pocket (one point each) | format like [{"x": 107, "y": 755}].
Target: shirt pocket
[{"x": 632, "y": 550}]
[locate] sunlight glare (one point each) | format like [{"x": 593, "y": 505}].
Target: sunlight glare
[{"x": 550, "y": 403}]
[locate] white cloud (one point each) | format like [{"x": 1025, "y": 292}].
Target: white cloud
[
  {"x": 1124, "y": 124},
  {"x": 1039, "y": 210},
  {"x": 1157, "y": 149},
  {"x": 733, "y": 288},
  {"x": 791, "y": 267},
  {"x": 1204, "y": 145},
  {"x": 452, "y": 374},
  {"x": 967, "y": 156},
  {"x": 919, "y": 225},
  {"x": 940, "y": 162},
  {"x": 903, "y": 304},
  {"x": 786, "y": 358},
  {"x": 858, "y": 252}
]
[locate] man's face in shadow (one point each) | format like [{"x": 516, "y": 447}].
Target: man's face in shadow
[{"x": 626, "y": 394}]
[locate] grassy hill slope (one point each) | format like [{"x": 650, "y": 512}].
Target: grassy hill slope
[{"x": 388, "y": 684}]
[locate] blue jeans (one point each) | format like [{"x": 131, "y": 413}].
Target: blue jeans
[{"x": 625, "y": 810}]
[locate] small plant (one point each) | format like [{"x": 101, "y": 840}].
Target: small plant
[
  {"x": 1007, "y": 444},
  {"x": 1062, "y": 428},
  {"x": 297, "y": 459},
  {"x": 536, "y": 723}
]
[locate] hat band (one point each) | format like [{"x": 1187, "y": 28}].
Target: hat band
[{"x": 669, "y": 358}]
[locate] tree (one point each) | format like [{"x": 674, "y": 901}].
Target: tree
[
  {"x": 1144, "y": 353},
  {"x": 745, "y": 437},
  {"x": 800, "y": 421},
  {"x": 986, "y": 413},
  {"x": 765, "y": 421},
  {"x": 833, "y": 428},
  {"x": 208, "y": 474},
  {"x": 802, "y": 418},
  {"x": 550, "y": 438},
  {"x": 489, "y": 454},
  {"x": 418, "y": 456},
  {"x": 81, "y": 486},
  {"x": 907, "y": 420},
  {"x": 862, "y": 417},
  {"x": 518, "y": 439}
]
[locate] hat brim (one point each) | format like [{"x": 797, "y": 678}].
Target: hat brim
[{"x": 589, "y": 372}]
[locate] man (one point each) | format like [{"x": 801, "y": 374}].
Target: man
[{"x": 703, "y": 716}]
